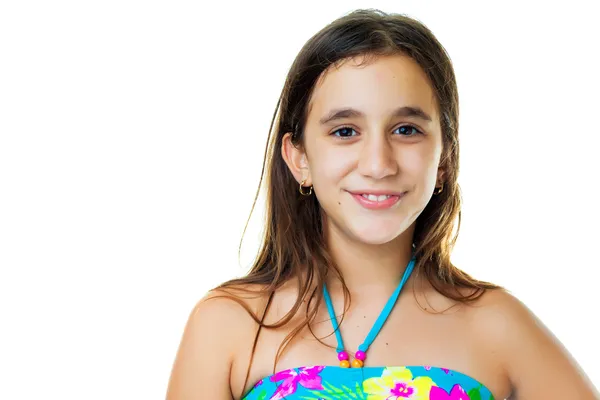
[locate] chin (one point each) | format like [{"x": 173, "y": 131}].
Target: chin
[{"x": 375, "y": 234}]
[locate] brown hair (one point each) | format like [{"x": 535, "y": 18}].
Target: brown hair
[{"x": 293, "y": 244}]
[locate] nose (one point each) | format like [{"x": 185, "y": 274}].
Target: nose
[{"x": 377, "y": 158}]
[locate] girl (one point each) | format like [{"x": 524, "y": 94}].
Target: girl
[{"x": 353, "y": 294}]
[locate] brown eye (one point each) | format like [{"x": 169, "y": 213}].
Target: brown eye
[
  {"x": 406, "y": 130},
  {"x": 344, "y": 132}
]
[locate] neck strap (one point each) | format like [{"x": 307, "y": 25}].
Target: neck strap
[{"x": 380, "y": 320}]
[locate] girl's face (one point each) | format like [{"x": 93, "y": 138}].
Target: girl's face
[{"x": 371, "y": 131}]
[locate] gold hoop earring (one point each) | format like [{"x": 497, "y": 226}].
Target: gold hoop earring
[
  {"x": 302, "y": 192},
  {"x": 440, "y": 191}
]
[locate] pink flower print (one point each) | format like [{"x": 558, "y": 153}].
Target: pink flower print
[
  {"x": 447, "y": 371},
  {"x": 402, "y": 390},
  {"x": 427, "y": 367},
  {"x": 307, "y": 377},
  {"x": 258, "y": 383},
  {"x": 397, "y": 383},
  {"x": 457, "y": 393}
]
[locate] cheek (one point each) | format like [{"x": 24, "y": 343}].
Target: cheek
[
  {"x": 420, "y": 165},
  {"x": 330, "y": 167}
]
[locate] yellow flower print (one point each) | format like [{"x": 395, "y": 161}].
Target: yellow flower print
[{"x": 397, "y": 383}]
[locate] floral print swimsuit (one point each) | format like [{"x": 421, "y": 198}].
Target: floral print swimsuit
[{"x": 369, "y": 383}]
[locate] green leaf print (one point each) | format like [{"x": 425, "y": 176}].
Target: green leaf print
[
  {"x": 356, "y": 394},
  {"x": 262, "y": 395},
  {"x": 474, "y": 394},
  {"x": 331, "y": 392}
]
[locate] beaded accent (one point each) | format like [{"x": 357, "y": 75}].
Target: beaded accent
[{"x": 361, "y": 355}]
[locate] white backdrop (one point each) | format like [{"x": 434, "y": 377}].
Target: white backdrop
[{"x": 132, "y": 136}]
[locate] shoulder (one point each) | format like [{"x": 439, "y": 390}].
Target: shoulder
[
  {"x": 232, "y": 301},
  {"x": 218, "y": 326},
  {"x": 507, "y": 324},
  {"x": 528, "y": 352},
  {"x": 501, "y": 310},
  {"x": 228, "y": 315}
]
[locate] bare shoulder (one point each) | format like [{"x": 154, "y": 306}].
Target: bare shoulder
[
  {"x": 234, "y": 300},
  {"x": 217, "y": 326},
  {"x": 228, "y": 311},
  {"x": 529, "y": 353},
  {"x": 498, "y": 309}
]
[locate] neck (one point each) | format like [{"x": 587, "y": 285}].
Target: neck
[{"x": 365, "y": 266}]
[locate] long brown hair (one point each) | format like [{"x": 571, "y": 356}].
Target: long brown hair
[{"x": 293, "y": 244}]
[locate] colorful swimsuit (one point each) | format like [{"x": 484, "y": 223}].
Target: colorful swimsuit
[{"x": 369, "y": 383}]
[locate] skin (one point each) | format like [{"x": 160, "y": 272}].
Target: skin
[
  {"x": 374, "y": 152},
  {"x": 497, "y": 341}
]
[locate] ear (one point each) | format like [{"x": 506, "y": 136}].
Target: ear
[
  {"x": 440, "y": 177},
  {"x": 296, "y": 160}
]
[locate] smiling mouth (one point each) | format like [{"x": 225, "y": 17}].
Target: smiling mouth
[
  {"x": 377, "y": 201},
  {"x": 373, "y": 194},
  {"x": 374, "y": 197}
]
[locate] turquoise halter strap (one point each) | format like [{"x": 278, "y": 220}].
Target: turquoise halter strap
[{"x": 380, "y": 320}]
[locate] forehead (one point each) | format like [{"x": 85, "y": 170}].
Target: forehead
[{"x": 376, "y": 87}]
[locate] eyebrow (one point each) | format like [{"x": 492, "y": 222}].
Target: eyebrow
[{"x": 348, "y": 112}]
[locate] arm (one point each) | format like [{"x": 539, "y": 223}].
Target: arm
[
  {"x": 537, "y": 364},
  {"x": 205, "y": 355}
]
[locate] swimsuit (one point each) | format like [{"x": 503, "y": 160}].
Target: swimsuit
[{"x": 369, "y": 383}]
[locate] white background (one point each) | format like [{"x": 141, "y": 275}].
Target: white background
[{"x": 132, "y": 136}]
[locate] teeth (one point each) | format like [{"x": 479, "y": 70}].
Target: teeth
[{"x": 372, "y": 197}]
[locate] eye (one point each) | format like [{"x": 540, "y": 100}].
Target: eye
[
  {"x": 344, "y": 132},
  {"x": 408, "y": 128}
]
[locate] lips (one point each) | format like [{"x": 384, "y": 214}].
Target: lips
[
  {"x": 378, "y": 192},
  {"x": 374, "y": 197},
  {"x": 377, "y": 200}
]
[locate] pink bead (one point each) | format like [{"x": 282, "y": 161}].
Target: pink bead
[
  {"x": 342, "y": 356},
  {"x": 360, "y": 355}
]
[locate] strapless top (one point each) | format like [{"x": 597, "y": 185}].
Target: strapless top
[{"x": 369, "y": 383}]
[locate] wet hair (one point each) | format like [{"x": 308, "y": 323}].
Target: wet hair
[{"x": 293, "y": 244}]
